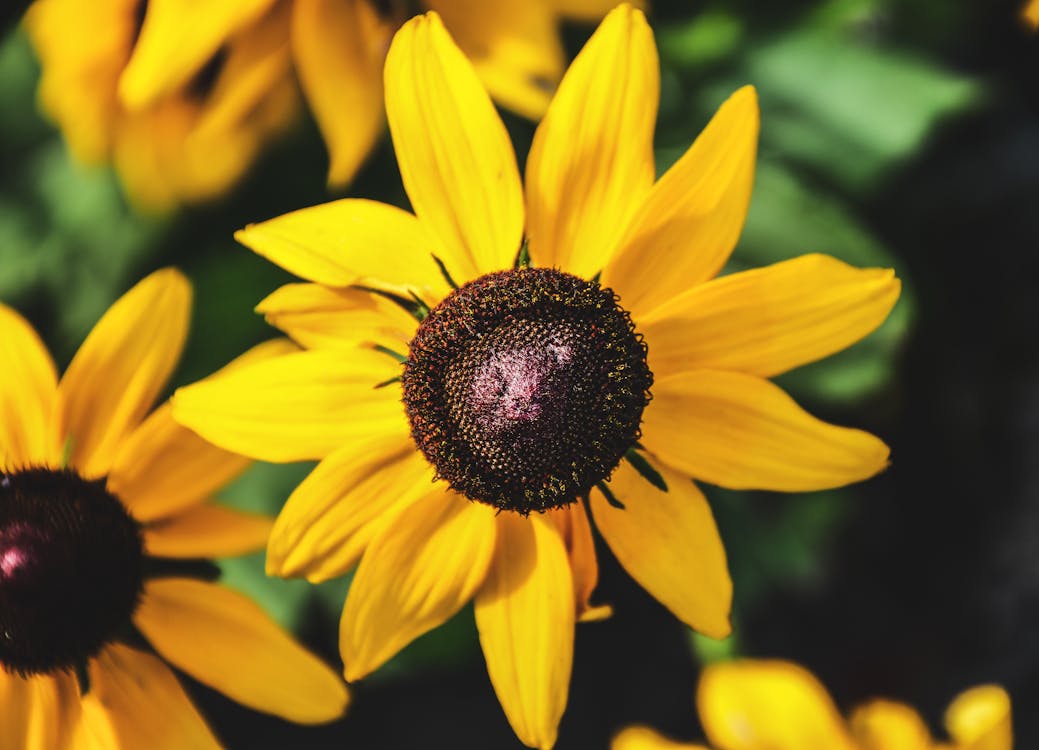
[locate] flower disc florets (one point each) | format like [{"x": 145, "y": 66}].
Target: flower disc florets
[
  {"x": 525, "y": 388},
  {"x": 70, "y": 569}
]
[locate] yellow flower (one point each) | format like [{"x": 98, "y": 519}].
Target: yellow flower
[
  {"x": 199, "y": 137},
  {"x": 182, "y": 95},
  {"x": 753, "y": 705},
  {"x": 526, "y": 389},
  {"x": 105, "y": 527}
]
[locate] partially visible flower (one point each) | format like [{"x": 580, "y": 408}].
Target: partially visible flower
[
  {"x": 196, "y": 139},
  {"x": 1030, "y": 14},
  {"x": 524, "y": 391},
  {"x": 777, "y": 705},
  {"x": 182, "y": 95},
  {"x": 106, "y": 530}
]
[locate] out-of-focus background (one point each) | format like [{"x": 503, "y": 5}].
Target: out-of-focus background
[{"x": 900, "y": 134}]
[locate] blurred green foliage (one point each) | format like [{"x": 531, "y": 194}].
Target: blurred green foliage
[{"x": 842, "y": 110}]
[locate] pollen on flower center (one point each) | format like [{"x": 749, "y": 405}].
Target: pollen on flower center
[
  {"x": 525, "y": 388},
  {"x": 70, "y": 569}
]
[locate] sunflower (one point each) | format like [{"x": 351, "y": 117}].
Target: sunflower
[
  {"x": 749, "y": 705},
  {"x": 514, "y": 339},
  {"x": 181, "y": 95},
  {"x": 105, "y": 536}
]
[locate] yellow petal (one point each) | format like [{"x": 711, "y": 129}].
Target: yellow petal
[
  {"x": 331, "y": 517},
  {"x": 122, "y": 366},
  {"x": 417, "y": 572},
  {"x": 176, "y": 41},
  {"x": 28, "y": 396},
  {"x": 135, "y": 701},
  {"x": 339, "y": 50},
  {"x": 296, "y": 407},
  {"x": 667, "y": 541},
  {"x": 207, "y": 531},
  {"x": 252, "y": 68},
  {"x": 979, "y": 719},
  {"x": 79, "y": 70},
  {"x": 514, "y": 46},
  {"x": 164, "y": 468},
  {"x": 886, "y": 725},
  {"x": 350, "y": 241},
  {"x": 455, "y": 157},
  {"x": 749, "y": 705},
  {"x": 322, "y": 318},
  {"x": 684, "y": 231},
  {"x": 591, "y": 162},
  {"x": 644, "y": 738},
  {"x": 770, "y": 320},
  {"x": 1030, "y": 14},
  {"x": 525, "y": 615},
  {"x": 224, "y": 640},
  {"x": 572, "y": 522},
  {"x": 38, "y": 712},
  {"x": 742, "y": 432}
]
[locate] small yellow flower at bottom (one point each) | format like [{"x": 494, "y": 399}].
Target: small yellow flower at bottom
[
  {"x": 751, "y": 705},
  {"x": 106, "y": 529}
]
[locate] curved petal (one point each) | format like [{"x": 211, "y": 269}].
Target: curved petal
[
  {"x": 979, "y": 719},
  {"x": 322, "y": 318},
  {"x": 350, "y": 241},
  {"x": 224, "y": 640},
  {"x": 176, "y": 41},
  {"x": 122, "y": 366},
  {"x": 28, "y": 396},
  {"x": 78, "y": 81},
  {"x": 668, "y": 542},
  {"x": 135, "y": 701},
  {"x": 331, "y": 517},
  {"x": 748, "y": 705},
  {"x": 417, "y": 572},
  {"x": 455, "y": 156},
  {"x": 591, "y": 162},
  {"x": 515, "y": 49},
  {"x": 770, "y": 320},
  {"x": 296, "y": 407},
  {"x": 338, "y": 48},
  {"x": 207, "y": 531},
  {"x": 38, "y": 712},
  {"x": 572, "y": 522},
  {"x": 164, "y": 468},
  {"x": 684, "y": 231},
  {"x": 644, "y": 738},
  {"x": 525, "y": 615},
  {"x": 886, "y": 725},
  {"x": 588, "y": 10},
  {"x": 742, "y": 432}
]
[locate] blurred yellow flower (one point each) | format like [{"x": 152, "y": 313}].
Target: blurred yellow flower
[
  {"x": 1030, "y": 14},
  {"x": 777, "y": 705},
  {"x": 104, "y": 515},
  {"x": 526, "y": 389},
  {"x": 181, "y": 95}
]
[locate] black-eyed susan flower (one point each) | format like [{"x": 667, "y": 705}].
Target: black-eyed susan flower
[
  {"x": 105, "y": 532},
  {"x": 182, "y": 95},
  {"x": 752, "y": 705},
  {"x": 526, "y": 391}
]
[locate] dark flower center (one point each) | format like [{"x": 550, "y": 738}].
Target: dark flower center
[
  {"x": 525, "y": 388},
  {"x": 71, "y": 561}
]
